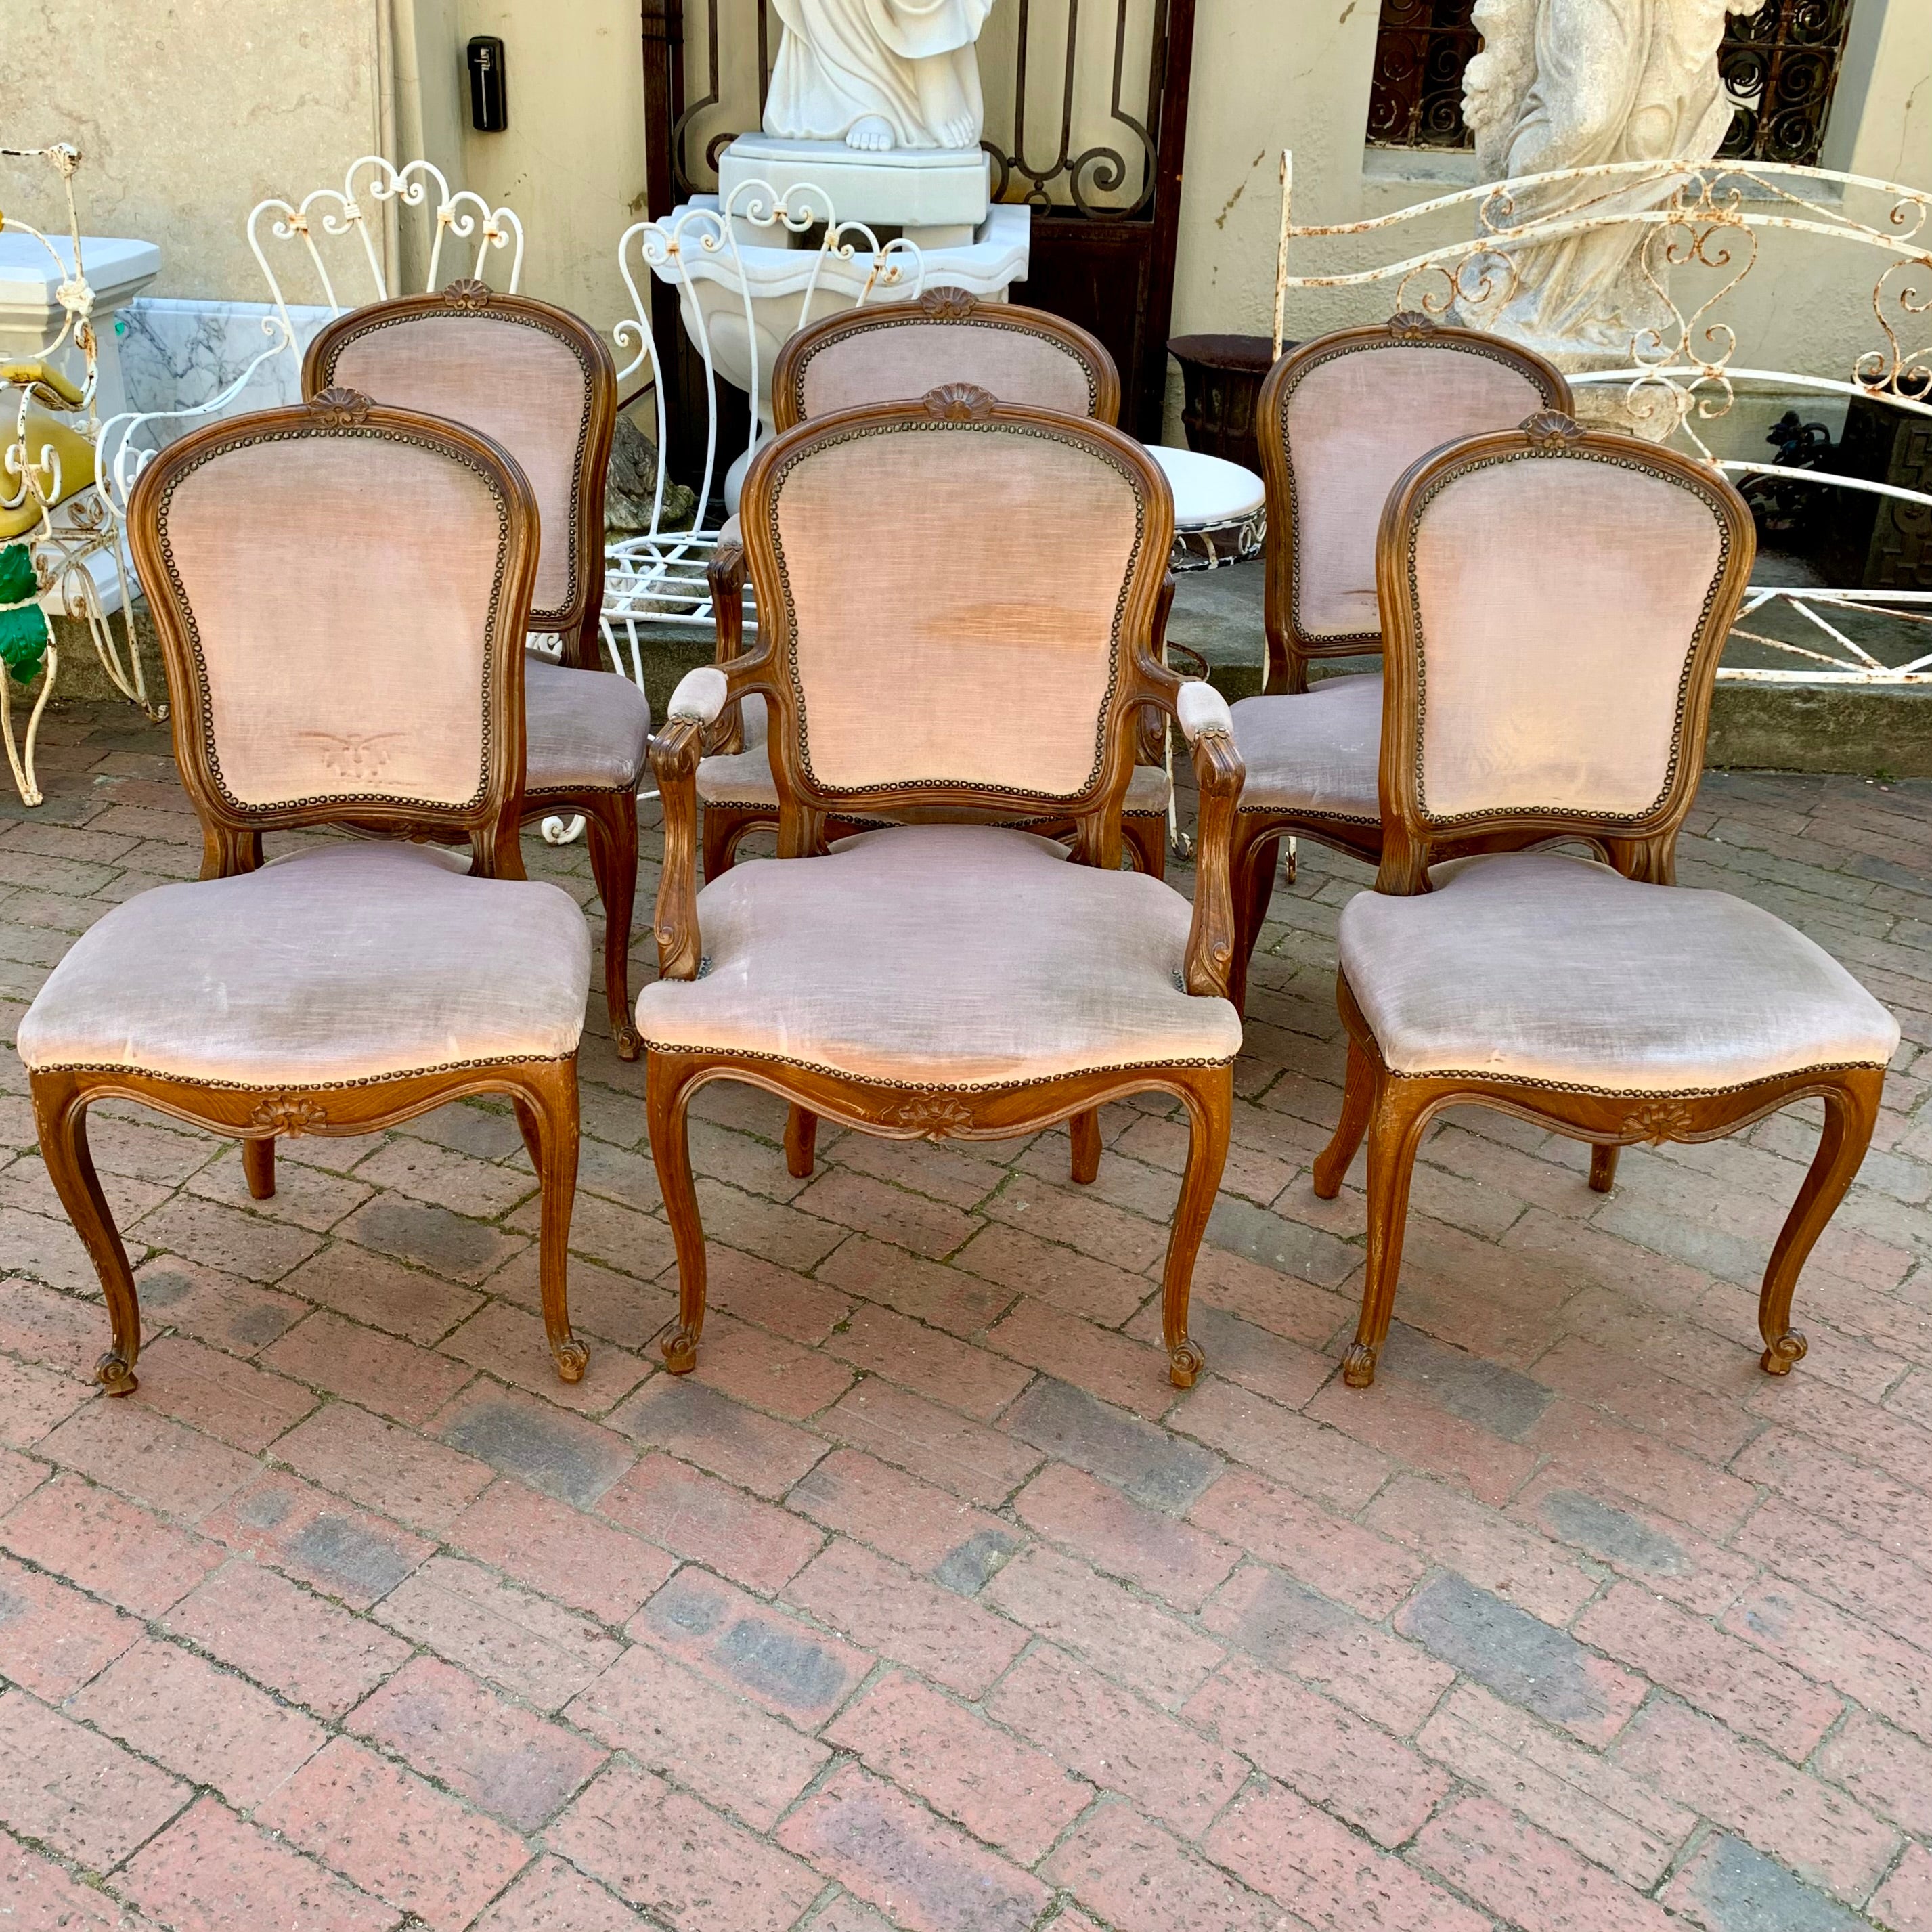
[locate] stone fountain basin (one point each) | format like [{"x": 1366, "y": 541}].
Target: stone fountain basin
[{"x": 747, "y": 300}]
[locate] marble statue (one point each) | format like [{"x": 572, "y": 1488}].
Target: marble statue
[
  {"x": 878, "y": 74},
  {"x": 1573, "y": 84}
]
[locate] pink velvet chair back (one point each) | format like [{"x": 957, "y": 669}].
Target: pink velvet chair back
[
  {"x": 954, "y": 591},
  {"x": 531, "y": 376},
  {"x": 1340, "y": 419},
  {"x": 896, "y": 351},
  {"x": 1555, "y": 603},
  {"x": 341, "y": 591}
]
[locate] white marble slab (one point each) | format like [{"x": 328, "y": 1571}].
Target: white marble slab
[{"x": 180, "y": 354}]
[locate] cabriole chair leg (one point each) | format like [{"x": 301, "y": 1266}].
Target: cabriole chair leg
[
  {"x": 1395, "y": 1131},
  {"x": 258, "y": 1166},
  {"x": 548, "y": 1117},
  {"x": 60, "y": 1115},
  {"x": 667, "y": 1101},
  {"x": 1084, "y": 1130},
  {"x": 801, "y": 1141},
  {"x": 1851, "y": 1112},
  {"x": 1252, "y": 874},
  {"x": 612, "y": 823},
  {"x": 1210, "y": 1096},
  {"x": 1358, "y": 1097}
]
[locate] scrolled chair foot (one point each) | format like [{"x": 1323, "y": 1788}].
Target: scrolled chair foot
[
  {"x": 571, "y": 1358},
  {"x": 1358, "y": 1365},
  {"x": 1184, "y": 1363},
  {"x": 630, "y": 1043},
  {"x": 1788, "y": 1347},
  {"x": 114, "y": 1374},
  {"x": 679, "y": 1349}
]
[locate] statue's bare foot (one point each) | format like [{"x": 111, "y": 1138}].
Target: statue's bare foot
[
  {"x": 872, "y": 133},
  {"x": 942, "y": 104}
]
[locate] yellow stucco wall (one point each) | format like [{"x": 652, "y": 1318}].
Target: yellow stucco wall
[
  {"x": 571, "y": 161},
  {"x": 189, "y": 111}
]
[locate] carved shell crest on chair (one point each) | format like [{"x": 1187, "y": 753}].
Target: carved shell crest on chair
[
  {"x": 949, "y": 305},
  {"x": 1407, "y": 324},
  {"x": 1551, "y": 429},
  {"x": 959, "y": 402},
  {"x": 467, "y": 292},
  {"x": 338, "y": 408}
]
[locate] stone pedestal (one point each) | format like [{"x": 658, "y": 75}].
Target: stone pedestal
[
  {"x": 31, "y": 315},
  {"x": 936, "y": 197},
  {"x": 32, "y": 320}
]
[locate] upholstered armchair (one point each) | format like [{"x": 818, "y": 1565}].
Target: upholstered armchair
[
  {"x": 341, "y": 592},
  {"x": 927, "y": 979},
  {"x": 1553, "y": 604},
  {"x": 540, "y": 382},
  {"x": 1339, "y": 419},
  {"x": 889, "y": 354}
]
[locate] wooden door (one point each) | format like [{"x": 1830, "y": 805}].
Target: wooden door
[{"x": 1110, "y": 82}]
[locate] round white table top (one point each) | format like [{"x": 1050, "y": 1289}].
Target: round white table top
[{"x": 1207, "y": 490}]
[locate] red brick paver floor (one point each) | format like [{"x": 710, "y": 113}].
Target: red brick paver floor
[{"x": 926, "y": 1602}]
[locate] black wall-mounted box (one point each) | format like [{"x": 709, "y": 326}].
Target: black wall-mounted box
[{"x": 489, "y": 104}]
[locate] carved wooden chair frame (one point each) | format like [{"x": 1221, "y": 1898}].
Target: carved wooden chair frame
[
  {"x": 543, "y": 1092},
  {"x": 1393, "y": 1109},
  {"x": 610, "y": 817},
  {"x": 726, "y": 825},
  {"x": 1259, "y": 829},
  {"x": 809, "y": 816}
]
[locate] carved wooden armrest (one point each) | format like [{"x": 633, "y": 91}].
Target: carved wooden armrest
[
  {"x": 676, "y": 747},
  {"x": 1205, "y": 723},
  {"x": 725, "y": 576}
]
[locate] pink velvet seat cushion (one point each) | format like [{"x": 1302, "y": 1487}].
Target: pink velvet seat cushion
[
  {"x": 1317, "y": 751},
  {"x": 1534, "y": 966},
  {"x": 356, "y": 960},
  {"x": 942, "y": 955},
  {"x": 585, "y": 730}
]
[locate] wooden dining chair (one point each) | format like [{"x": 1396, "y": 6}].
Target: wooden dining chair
[
  {"x": 897, "y": 352},
  {"x": 928, "y": 980},
  {"x": 1339, "y": 419},
  {"x": 341, "y": 591},
  {"x": 541, "y": 382},
  {"x": 1553, "y": 604}
]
